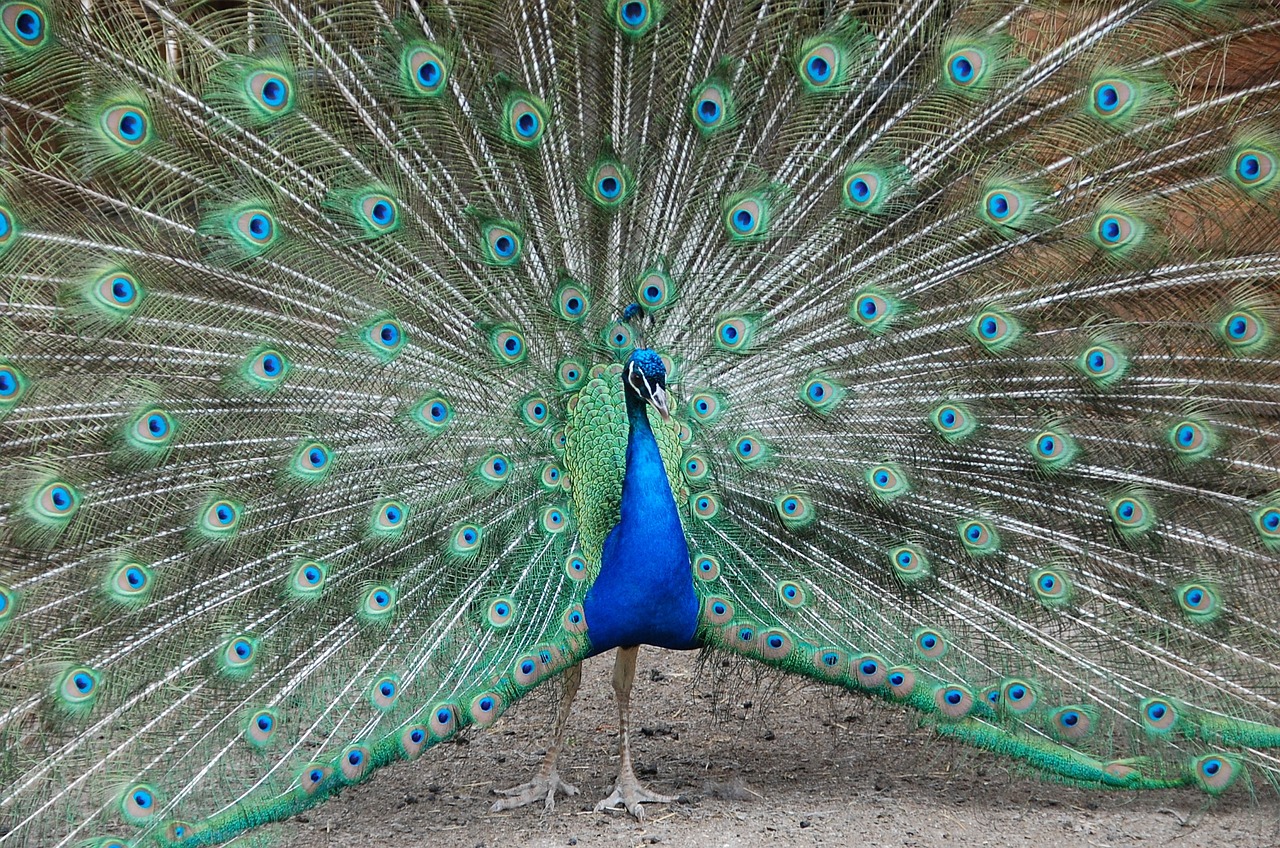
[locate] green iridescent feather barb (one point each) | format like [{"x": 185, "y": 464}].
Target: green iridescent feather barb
[{"x": 365, "y": 365}]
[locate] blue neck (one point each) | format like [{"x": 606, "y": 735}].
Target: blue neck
[{"x": 644, "y": 593}]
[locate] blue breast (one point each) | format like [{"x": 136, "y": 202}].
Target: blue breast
[{"x": 644, "y": 592}]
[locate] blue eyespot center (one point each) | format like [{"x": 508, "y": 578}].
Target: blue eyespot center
[
  {"x": 961, "y": 69},
  {"x": 998, "y": 206},
  {"x": 504, "y": 246},
  {"x": 1071, "y": 719},
  {"x": 1249, "y": 166},
  {"x": 392, "y": 514},
  {"x": 28, "y": 25},
  {"x": 264, "y": 722},
  {"x": 417, "y": 736},
  {"x": 273, "y": 92},
  {"x": 389, "y": 334},
  {"x": 708, "y": 111},
  {"x": 527, "y": 124},
  {"x": 429, "y": 74},
  {"x": 157, "y": 425},
  {"x": 818, "y": 69},
  {"x": 132, "y": 125},
  {"x": 271, "y": 365},
  {"x": 82, "y": 682},
  {"x": 610, "y": 187},
  {"x": 1156, "y": 712},
  {"x": 867, "y": 307},
  {"x": 259, "y": 227},
  {"x": 1108, "y": 97},
  {"x": 859, "y": 190},
  {"x": 634, "y": 13},
  {"x": 742, "y": 220},
  {"x": 121, "y": 290},
  {"x": 954, "y": 697}
]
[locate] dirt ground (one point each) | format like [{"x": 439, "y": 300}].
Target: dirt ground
[{"x": 755, "y": 762}]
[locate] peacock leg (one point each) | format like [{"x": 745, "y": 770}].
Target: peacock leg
[
  {"x": 627, "y": 791},
  {"x": 546, "y": 783}
]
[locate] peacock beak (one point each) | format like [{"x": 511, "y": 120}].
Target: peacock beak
[{"x": 658, "y": 397}]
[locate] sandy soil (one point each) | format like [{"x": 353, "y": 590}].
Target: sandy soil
[{"x": 755, "y": 762}]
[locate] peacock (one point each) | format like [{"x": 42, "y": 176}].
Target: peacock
[{"x": 365, "y": 364}]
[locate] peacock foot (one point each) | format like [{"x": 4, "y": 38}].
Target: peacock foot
[
  {"x": 543, "y": 787},
  {"x": 629, "y": 794}
]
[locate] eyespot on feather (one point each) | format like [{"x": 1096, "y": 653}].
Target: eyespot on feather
[
  {"x": 425, "y": 69},
  {"x": 261, "y": 727},
  {"x": 127, "y": 125},
  {"x": 25, "y": 25},
  {"x": 265, "y": 369},
  {"x": 270, "y": 91}
]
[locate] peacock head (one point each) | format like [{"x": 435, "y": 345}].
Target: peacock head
[{"x": 645, "y": 378}]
